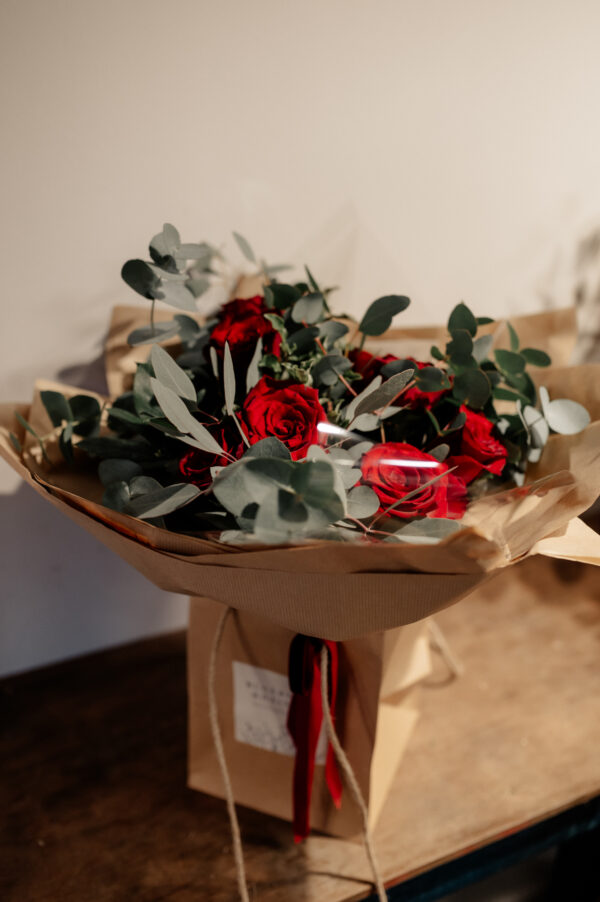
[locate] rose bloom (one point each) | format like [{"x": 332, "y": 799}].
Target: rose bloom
[
  {"x": 480, "y": 449},
  {"x": 288, "y": 411},
  {"x": 242, "y": 323},
  {"x": 195, "y": 466},
  {"x": 395, "y": 469}
]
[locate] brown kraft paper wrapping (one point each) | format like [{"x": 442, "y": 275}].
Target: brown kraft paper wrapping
[{"x": 375, "y": 714}]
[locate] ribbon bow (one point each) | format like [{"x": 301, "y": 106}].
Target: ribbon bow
[{"x": 305, "y": 718}]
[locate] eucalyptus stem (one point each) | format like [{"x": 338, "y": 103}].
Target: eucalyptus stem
[{"x": 152, "y": 325}]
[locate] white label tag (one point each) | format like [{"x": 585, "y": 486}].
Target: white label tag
[{"x": 261, "y": 700}]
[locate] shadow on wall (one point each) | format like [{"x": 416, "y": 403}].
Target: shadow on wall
[{"x": 64, "y": 593}]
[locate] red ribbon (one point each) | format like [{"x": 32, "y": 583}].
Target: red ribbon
[{"x": 305, "y": 718}]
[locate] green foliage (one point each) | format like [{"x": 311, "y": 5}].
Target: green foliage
[
  {"x": 309, "y": 308},
  {"x": 461, "y": 319},
  {"x": 379, "y": 315},
  {"x": 472, "y": 388},
  {"x": 245, "y": 248},
  {"x": 327, "y": 369}
]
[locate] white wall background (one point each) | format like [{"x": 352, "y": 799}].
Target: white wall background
[{"x": 448, "y": 150}]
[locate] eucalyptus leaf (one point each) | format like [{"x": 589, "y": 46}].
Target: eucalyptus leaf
[
  {"x": 149, "y": 334},
  {"x": 176, "y": 295},
  {"x": 245, "y": 248},
  {"x": 167, "y": 242},
  {"x": 124, "y": 416},
  {"x": 162, "y": 501},
  {"x": 536, "y": 425},
  {"x": 281, "y": 296},
  {"x": 363, "y": 502},
  {"x": 177, "y": 413},
  {"x": 197, "y": 286},
  {"x": 440, "y": 452},
  {"x": 268, "y": 447},
  {"x": 514, "y": 338},
  {"x": 509, "y": 361},
  {"x": 566, "y": 417},
  {"x": 460, "y": 348},
  {"x": 141, "y": 277},
  {"x": 311, "y": 279},
  {"x": 214, "y": 362},
  {"x": 230, "y": 490},
  {"x": 269, "y": 471},
  {"x": 366, "y": 422},
  {"x": 188, "y": 328},
  {"x": 117, "y": 470},
  {"x": 326, "y": 370},
  {"x": 116, "y": 496},
  {"x": 506, "y": 394},
  {"x": 331, "y": 331},
  {"x": 380, "y": 313},
  {"x": 482, "y": 347},
  {"x": 350, "y": 410},
  {"x": 57, "y": 407},
  {"x": 308, "y": 308},
  {"x": 384, "y": 395},
  {"x": 314, "y": 480},
  {"x": 457, "y": 423},
  {"x": 462, "y": 318},
  {"x": 303, "y": 340},
  {"x": 170, "y": 374},
  {"x": 291, "y": 508},
  {"x": 396, "y": 366},
  {"x": 535, "y": 357},
  {"x": 431, "y": 379},
  {"x": 544, "y": 399},
  {"x": 84, "y": 407},
  {"x": 358, "y": 450},
  {"x": 143, "y": 485},
  {"x": 472, "y": 388},
  {"x": 228, "y": 380},
  {"x": 65, "y": 443},
  {"x": 253, "y": 373}
]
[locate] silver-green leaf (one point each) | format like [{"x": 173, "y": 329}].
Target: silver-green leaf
[
  {"x": 228, "y": 380},
  {"x": 170, "y": 373}
]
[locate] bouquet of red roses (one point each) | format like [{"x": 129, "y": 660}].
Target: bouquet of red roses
[
  {"x": 271, "y": 422},
  {"x": 272, "y": 458}
]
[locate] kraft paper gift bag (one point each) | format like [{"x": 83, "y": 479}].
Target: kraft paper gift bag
[{"x": 374, "y": 711}]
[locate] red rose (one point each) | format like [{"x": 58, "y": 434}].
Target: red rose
[
  {"x": 480, "y": 449},
  {"x": 195, "y": 466},
  {"x": 414, "y": 397},
  {"x": 286, "y": 410},
  {"x": 242, "y": 323},
  {"x": 395, "y": 469}
]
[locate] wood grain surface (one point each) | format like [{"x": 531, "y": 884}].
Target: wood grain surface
[{"x": 93, "y": 756}]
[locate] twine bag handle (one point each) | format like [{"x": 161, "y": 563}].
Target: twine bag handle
[{"x": 342, "y": 760}]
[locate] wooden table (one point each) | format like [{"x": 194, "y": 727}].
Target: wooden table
[{"x": 93, "y": 754}]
